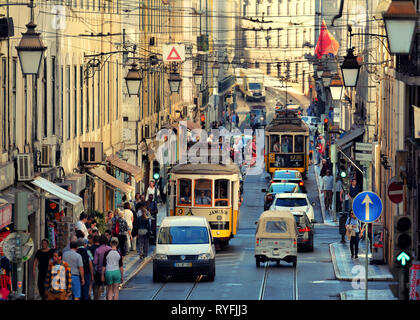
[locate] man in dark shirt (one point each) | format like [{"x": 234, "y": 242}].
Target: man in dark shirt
[
  {"x": 42, "y": 260},
  {"x": 353, "y": 192}
]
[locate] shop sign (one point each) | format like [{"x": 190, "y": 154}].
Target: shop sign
[{"x": 5, "y": 215}]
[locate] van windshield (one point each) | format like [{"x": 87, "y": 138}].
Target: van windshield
[
  {"x": 291, "y": 202},
  {"x": 254, "y": 86},
  {"x": 183, "y": 235}
]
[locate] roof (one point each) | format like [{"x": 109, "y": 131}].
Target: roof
[
  {"x": 349, "y": 136},
  {"x": 286, "y": 174},
  {"x": 127, "y": 167},
  {"x": 291, "y": 195},
  {"x": 183, "y": 221},
  {"x": 277, "y": 214},
  {"x": 205, "y": 168},
  {"x": 103, "y": 175}
]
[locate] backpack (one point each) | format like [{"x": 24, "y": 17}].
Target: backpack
[
  {"x": 116, "y": 228},
  {"x": 85, "y": 258}
]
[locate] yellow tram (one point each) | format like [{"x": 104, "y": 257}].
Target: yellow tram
[
  {"x": 208, "y": 190},
  {"x": 287, "y": 143}
]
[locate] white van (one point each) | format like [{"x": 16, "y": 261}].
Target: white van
[{"x": 184, "y": 246}]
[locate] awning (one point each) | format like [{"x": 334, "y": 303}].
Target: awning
[
  {"x": 129, "y": 168},
  {"x": 103, "y": 175},
  {"x": 346, "y": 140},
  {"x": 61, "y": 193}
]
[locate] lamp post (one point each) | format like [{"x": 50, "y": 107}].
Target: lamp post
[
  {"x": 198, "y": 76},
  {"x": 216, "y": 69},
  {"x": 174, "y": 81},
  {"x": 350, "y": 69},
  {"x": 133, "y": 80},
  {"x": 400, "y": 24},
  {"x": 326, "y": 78}
]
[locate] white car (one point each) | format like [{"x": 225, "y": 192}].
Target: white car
[{"x": 294, "y": 202}]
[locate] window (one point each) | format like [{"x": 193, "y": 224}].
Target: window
[
  {"x": 81, "y": 99},
  {"x": 25, "y": 99},
  {"x": 53, "y": 89},
  {"x": 87, "y": 105},
  {"x": 99, "y": 101},
  {"x": 299, "y": 143},
  {"x": 4, "y": 103},
  {"x": 276, "y": 227},
  {"x": 221, "y": 193},
  {"x": 45, "y": 85},
  {"x": 75, "y": 99},
  {"x": 274, "y": 143},
  {"x": 286, "y": 143},
  {"x": 68, "y": 102},
  {"x": 202, "y": 192},
  {"x": 93, "y": 102},
  {"x": 184, "y": 187},
  {"x": 14, "y": 103}
]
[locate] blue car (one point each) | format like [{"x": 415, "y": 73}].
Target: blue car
[{"x": 293, "y": 176}]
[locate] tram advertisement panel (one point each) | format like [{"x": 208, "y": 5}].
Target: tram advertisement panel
[{"x": 288, "y": 161}]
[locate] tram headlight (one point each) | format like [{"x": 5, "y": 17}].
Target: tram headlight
[{"x": 160, "y": 256}]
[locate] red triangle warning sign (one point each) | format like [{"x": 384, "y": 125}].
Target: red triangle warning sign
[{"x": 173, "y": 55}]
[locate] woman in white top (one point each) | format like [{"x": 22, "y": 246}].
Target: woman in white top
[{"x": 113, "y": 271}]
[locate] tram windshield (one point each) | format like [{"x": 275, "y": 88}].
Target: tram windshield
[
  {"x": 286, "y": 143},
  {"x": 299, "y": 143},
  {"x": 202, "y": 192}
]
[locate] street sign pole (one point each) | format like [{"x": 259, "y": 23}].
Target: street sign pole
[
  {"x": 333, "y": 151},
  {"x": 366, "y": 260}
]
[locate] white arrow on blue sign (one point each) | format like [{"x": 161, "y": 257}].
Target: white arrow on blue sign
[{"x": 367, "y": 206}]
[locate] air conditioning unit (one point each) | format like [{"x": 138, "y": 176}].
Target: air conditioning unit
[
  {"x": 91, "y": 152},
  {"x": 46, "y": 156},
  {"x": 25, "y": 167}
]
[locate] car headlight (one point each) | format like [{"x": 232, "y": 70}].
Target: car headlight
[
  {"x": 204, "y": 256},
  {"x": 160, "y": 256}
]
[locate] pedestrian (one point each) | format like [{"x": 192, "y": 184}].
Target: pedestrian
[
  {"x": 108, "y": 219},
  {"x": 120, "y": 230},
  {"x": 42, "y": 260},
  {"x": 353, "y": 229},
  {"x": 338, "y": 189},
  {"x": 152, "y": 190},
  {"x": 75, "y": 262},
  {"x": 141, "y": 203},
  {"x": 88, "y": 273},
  {"x": 327, "y": 188},
  {"x": 98, "y": 260},
  {"x": 108, "y": 234},
  {"x": 353, "y": 192},
  {"x": 152, "y": 207},
  {"x": 342, "y": 226},
  {"x": 143, "y": 232},
  {"x": 113, "y": 271},
  {"x": 128, "y": 217},
  {"x": 67, "y": 247},
  {"x": 81, "y": 224},
  {"x": 92, "y": 249},
  {"x": 324, "y": 167},
  {"x": 58, "y": 281}
]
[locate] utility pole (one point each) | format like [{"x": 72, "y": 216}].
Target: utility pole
[{"x": 334, "y": 162}]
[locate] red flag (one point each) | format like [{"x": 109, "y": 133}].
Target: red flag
[{"x": 326, "y": 43}]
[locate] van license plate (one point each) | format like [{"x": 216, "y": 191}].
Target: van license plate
[
  {"x": 183, "y": 264},
  {"x": 276, "y": 252}
]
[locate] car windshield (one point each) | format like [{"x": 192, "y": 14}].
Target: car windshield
[
  {"x": 291, "y": 202},
  {"x": 254, "y": 86},
  {"x": 305, "y": 119},
  {"x": 183, "y": 235},
  {"x": 282, "y": 188},
  {"x": 315, "y": 120}
]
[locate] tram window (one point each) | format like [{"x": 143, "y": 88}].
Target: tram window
[
  {"x": 275, "y": 144},
  {"x": 299, "y": 143},
  {"x": 184, "y": 191},
  {"x": 221, "y": 194},
  {"x": 286, "y": 143},
  {"x": 202, "y": 192}
]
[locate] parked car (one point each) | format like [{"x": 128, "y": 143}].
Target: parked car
[
  {"x": 294, "y": 202},
  {"x": 184, "y": 246},
  {"x": 289, "y": 176},
  {"x": 276, "y": 238},
  {"x": 278, "y": 187},
  {"x": 305, "y": 231}
]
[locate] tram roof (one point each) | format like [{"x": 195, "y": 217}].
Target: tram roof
[
  {"x": 287, "y": 121},
  {"x": 205, "y": 168}
]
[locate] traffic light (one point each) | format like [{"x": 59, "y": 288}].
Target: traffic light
[
  {"x": 342, "y": 168},
  {"x": 203, "y": 121},
  {"x": 325, "y": 125},
  {"x": 156, "y": 171},
  {"x": 402, "y": 240}
]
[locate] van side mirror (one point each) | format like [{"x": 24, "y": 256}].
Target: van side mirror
[
  {"x": 313, "y": 221},
  {"x": 263, "y": 190},
  {"x": 256, "y": 222},
  {"x": 313, "y": 204}
]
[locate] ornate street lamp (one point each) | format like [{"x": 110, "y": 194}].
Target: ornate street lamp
[
  {"x": 350, "y": 69},
  {"x": 198, "y": 76},
  {"x": 326, "y": 78},
  {"x": 320, "y": 71},
  {"x": 174, "y": 81},
  {"x": 400, "y": 24},
  {"x": 30, "y": 50},
  {"x": 226, "y": 64},
  {"x": 336, "y": 87},
  {"x": 133, "y": 80}
]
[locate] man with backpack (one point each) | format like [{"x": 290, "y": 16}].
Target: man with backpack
[{"x": 87, "y": 260}]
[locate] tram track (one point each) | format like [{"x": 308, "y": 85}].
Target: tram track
[
  {"x": 295, "y": 291},
  {"x": 189, "y": 291}
]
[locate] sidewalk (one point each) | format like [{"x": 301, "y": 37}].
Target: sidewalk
[
  {"x": 348, "y": 269},
  {"x": 132, "y": 263}
]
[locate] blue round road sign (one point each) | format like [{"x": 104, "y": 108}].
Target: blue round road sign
[{"x": 367, "y": 206}]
